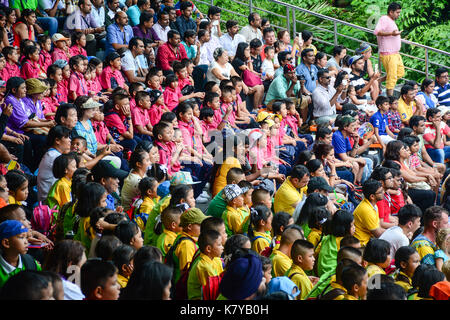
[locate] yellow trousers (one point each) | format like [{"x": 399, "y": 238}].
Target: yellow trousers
[{"x": 393, "y": 64}]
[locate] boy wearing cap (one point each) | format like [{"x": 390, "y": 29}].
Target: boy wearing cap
[
  {"x": 108, "y": 175},
  {"x": 232, "y": 216},
  {"x": 60, "y": 50},
  {"x": 14, "y": 246},
  {"x": 186, "y": 242},
  {"x": 206, "y": 264}
]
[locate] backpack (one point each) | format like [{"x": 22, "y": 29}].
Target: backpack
[
  {"x": 28, "y": 262},
  {"x": 181, "y": 291},
  {"x": 44, "y": 219},
  {"x": 267, "y": 250},
  {"x": 210, "y": 291},
  {"x": 59, "y": 225},
  {"x": 134, "y": 208}
]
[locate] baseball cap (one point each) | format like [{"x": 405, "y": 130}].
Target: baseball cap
[
  {"x": 58, "y": 37},
  {"x": 61, "y": 63},
  {"x": 283, "y": 284},
  {"x": 90, "y": 104},
  {"x": 253, "y": 137},
  {"x": 262, "y": 116},
  {"x": 182, "y": 177},
  {"x": 319, "y": 183},
  {"x": 440, "y": 290},
  {"x": 232, "y": 191},
  {"x": 288, "y": 68},
  {"x": 106, "y": 169},
  {"x": 192, "y": 216},
  {"x": 111, "y": 57},
  {"x": 11, "y": 228},
  {"x": 154, "y": 96},
  {"x": 354, "y": 59}
]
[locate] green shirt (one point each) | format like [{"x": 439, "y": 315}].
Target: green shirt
[
  {"x": 279, "y": 87},
  {"x": 327, "y": 260},
  {"x": 23, "y": 4},
  {"x": 150, "y": 237},
  {"x": 4, "y": 275},
  {"x": 217, "y": 206}
]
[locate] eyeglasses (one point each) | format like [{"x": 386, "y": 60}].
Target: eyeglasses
[{"x": 326, "y": 77}]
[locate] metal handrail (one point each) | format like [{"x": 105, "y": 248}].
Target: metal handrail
[{"x": 292, "y": 9}]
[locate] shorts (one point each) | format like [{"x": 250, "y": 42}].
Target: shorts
[{"x": 393, "y": 64}]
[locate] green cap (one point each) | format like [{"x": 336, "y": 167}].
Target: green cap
[{"x": 192, "y": 216}]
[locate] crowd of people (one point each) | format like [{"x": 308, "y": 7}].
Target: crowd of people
[{"x": 318, "y": 178}]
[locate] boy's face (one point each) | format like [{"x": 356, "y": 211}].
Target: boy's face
[
  {"x": 166, "y": 135},
  {"x": 14, "y": 56},
  {"x": 137, "y": 241},
  {"x": 66, "y": 72},
  {"x": 190, "y": 200},
  {"x": 19, "y": 215},
  {"x": 362, "y": 289},
  {"x": 283, "y": 110},
  {"x": 308, "y": 260},
  {"x": 413, "y": 263},
  {"x": 17, "y": 243},
  {"x": 267, "y": 201},
  {"x": 223, "y": 233},
  {"x": 22, "y": 192},
  {"x": 182, "y": 74},
  {"x": 195, "y": 229},
  {"x": 61, "y": 44},
  {"x": 384, "y": 107},
  {"x": 78, "y": 146},
  {"x": 215, "y": 104},
  {"x": 270, "y": 54},
  {"x": 145, "y": 103},
  {"x": 154, "y": 155},
  {"x": 394, "y": 105},
  {"x": 238, "y": 201},
  {"x": 111, "y": 290},
  {"x": 217, "y": 248},
  {"x": 248, "y": 197},
  {"x": 227, "y": 97},
  {"x": 209, "y": 119},
  {"x": 111, "y": 184},
  {"x": 414, "y": 148},
  {"x": 160, "y": 100},
  {"x": 177, "y": 137}
]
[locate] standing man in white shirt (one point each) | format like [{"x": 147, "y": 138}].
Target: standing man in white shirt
[
  {"x": 252, "y": 30},
  {"x": 232, "y": 38}
]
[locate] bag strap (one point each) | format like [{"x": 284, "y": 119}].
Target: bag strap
[
  {"x": 333, "y": 294},
  {"x": 28, "y": 262},
  {"x": 292, "y": 275}
]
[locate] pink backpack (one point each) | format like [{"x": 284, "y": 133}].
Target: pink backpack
[{"x": 43, "y": 219}]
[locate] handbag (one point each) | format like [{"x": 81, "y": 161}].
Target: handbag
[{"x": 251, "y": 79}]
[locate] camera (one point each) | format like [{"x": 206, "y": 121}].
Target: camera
[{"x": 301, "y": 77}]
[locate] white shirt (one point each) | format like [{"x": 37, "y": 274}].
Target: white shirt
[
  {"x": 321, "y": 97},
  {"x": 231, "y": 44},
  {"x": 396, "y": 237},
  {"x": 249, "y": 33},
  {"x": 9, "y": 268},
  {"x": 226, "y": 72},
  {"x": 98, "y": 14},
  {"x": 72, "y": 291},
  {"x": 48, "y": 4},
  {"x": 161, "y": 32},
  {"x": 45, "y": 178},
  {"x": 267, "y": 67},
  {"x": 130, "y": 63}
]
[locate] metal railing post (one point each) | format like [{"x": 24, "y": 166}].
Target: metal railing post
[
  {"x": 426, "y": 63},
  {"x": 288, "y": 22},
  {"x": 335, "y": 34},
  {"x": 294, "y": 22},
  {"x": 250, "y": 5}
]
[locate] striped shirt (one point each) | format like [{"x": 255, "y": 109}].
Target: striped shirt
[{"x": 442, "y": 93}]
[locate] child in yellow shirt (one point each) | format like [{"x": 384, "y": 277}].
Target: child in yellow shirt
[
  {"x": 407, "y": 259},
  {"x": 123, "y": 258},
  {"x": 280, "y": 221},
  {"x": 247, "y": 189},
  {"x": 60, "y": 193},
  {"x": 354, "y": 279},
  {"x": 170, "y": 218},
  {"x": 260, "y": 227},
  {"x": 148, "y": 188},
  {"x": 207, "y": 264},
  {"x": 281, "y": 257},
  {"x": 233, "y": 216},
  {"x": 302, "y": 254},
  {"x": 377, "y": 254}
]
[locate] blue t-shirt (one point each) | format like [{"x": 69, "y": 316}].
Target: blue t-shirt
[
  {"x": 340, "y": 144},
  {"x": 380, "y": 121}
]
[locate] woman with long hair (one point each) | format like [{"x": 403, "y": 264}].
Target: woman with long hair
[{"x": 24, "y": 27}]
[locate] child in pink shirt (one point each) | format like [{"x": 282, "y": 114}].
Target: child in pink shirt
[
  {"x": 111, "y": 76},
  {"x": 207, "y": 124},
  {"x": 2, "y": 66},
  {"x": 169, "y": 154},
  {"x": 62, "y": 80},
  {"x": 61, "y": 50},
  {"x": 77, "y": 82},
  {"x": 12, "y": 58},
  {"x": 78, "y": 44},
  {"x": 157, "y": 107},
  {"x": 226, "y": 100},
  {"x": 171, "y": 94},
  {"x": 30, "y": 65},
  {"x": 45, "y": 58},
  {"x": 50, "y": 102},
  {"x": 140, "y": 117}
]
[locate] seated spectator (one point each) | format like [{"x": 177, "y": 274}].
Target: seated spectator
[
  {"x": 308, "y": 70},
  {"x": 362, "y": 87},
  {"x": 426, "y": 96},
  {"x": 144, "y": 28},
  {"x": 119, "y": 33},
  {"x": 268, "y": 40},
  {"x": 133, "y": 65},
  {"x": 134, "y": 12},
  {"x": 324, "y": 98},
  {"x": 252, "y": 30},
  {"x": 435, "y": 135},
  {"x": 365, "y": 50},
  {"x": 161, "y": 28},
  {"x": 442, "y": 89},
  {"x": 170, "y": 51},
  {"x": 407, "y": 104},
  {"x": 335, "y": 62},
  {"x": 24, "y": 28},
  {"x": 232, "y": 38},
  {"x": 111, "y": 8},
  {"x": 184, "y": 21}
]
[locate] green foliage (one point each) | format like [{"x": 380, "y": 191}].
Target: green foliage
[{"x": 424, "y": 22}]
